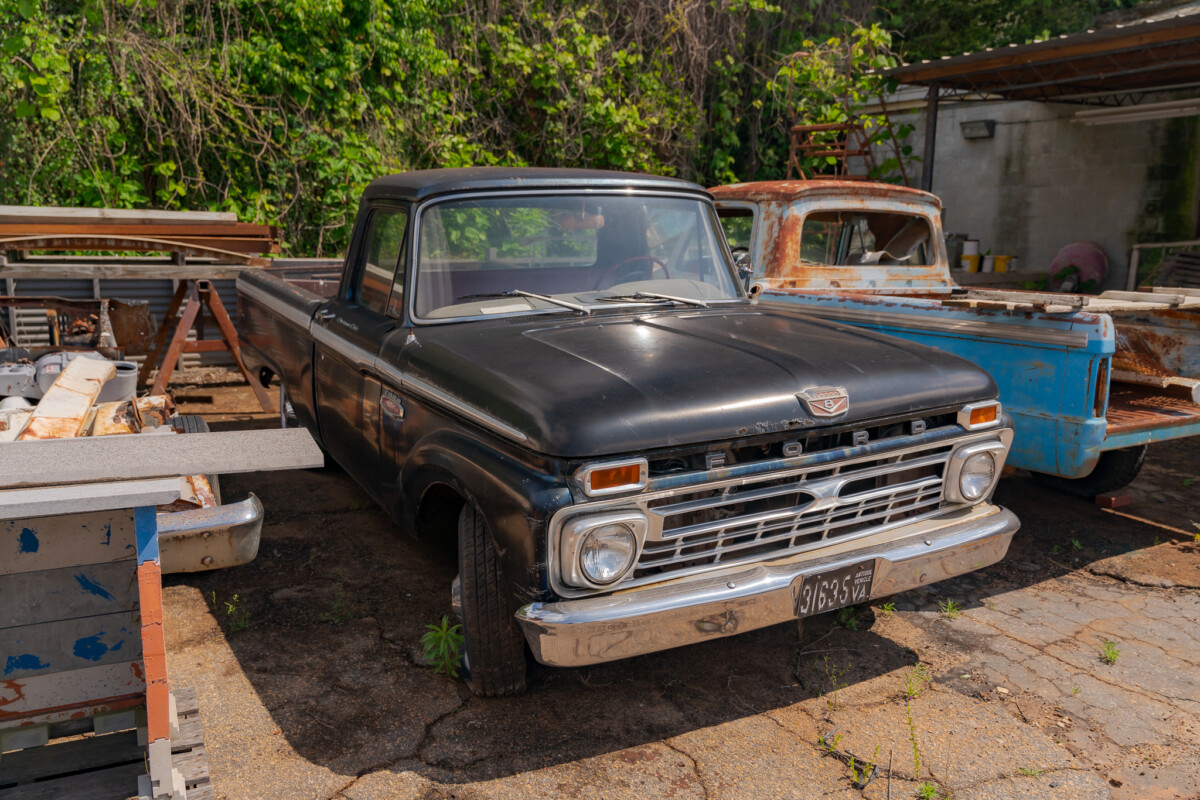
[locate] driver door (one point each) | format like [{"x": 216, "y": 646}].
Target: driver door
[{"x": 349, "y": 332}]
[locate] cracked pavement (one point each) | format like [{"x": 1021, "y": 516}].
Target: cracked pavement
[{"x": 325, "y": 694}]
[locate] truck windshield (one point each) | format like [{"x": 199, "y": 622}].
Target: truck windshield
[
  {"x": 486, "y": 256},
  {"x": 851, "y": 238}
]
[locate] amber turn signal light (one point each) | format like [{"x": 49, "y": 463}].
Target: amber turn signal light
[
  {"x": 981, "y": 416},
  {"x": 612, "y": 477},
  {"x": 621, "y": 476}
]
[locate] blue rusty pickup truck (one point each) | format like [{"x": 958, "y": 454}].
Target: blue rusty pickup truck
[{"x": 1089, "y": 381}]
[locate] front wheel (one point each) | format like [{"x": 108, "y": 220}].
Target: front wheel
[
  {"x": 494, "y": 656},
  {"x": 1116, "y": 469}
]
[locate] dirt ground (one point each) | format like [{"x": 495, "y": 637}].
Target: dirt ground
[{"x": 312, "y": 685}]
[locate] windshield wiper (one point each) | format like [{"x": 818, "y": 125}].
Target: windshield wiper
[
  {"x": 687, "y": 301},
  {"x": 522, "y": 293}
]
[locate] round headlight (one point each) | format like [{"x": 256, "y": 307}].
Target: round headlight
[
  {"x": 607, "y": 553},
  {"x": 977, "y": 474}
]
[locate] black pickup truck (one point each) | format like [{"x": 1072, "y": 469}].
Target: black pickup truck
[{"x": 562, "y": 369}]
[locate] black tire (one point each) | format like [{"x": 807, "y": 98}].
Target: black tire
[
  {"x": 190, "y": 423},
  {"x": 494, "y": 656},
  {"x": 1116, "y": 469}
]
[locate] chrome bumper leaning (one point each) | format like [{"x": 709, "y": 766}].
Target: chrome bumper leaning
[
  {"x": 210, "y": 538},
  {"x": 572, "y": 633}
]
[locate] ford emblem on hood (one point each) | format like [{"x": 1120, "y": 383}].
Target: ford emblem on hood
[{"x": 825, "y": 401}]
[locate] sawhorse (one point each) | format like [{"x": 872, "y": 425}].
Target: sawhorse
[{"x": 199, "y": 294}]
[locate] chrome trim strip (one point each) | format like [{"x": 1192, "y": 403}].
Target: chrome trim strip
[
  {"x": 428, "y": 392},
  {"x": 210, "y": 538},
  {"x": 283, "y": 309},
  {"x": 593, "y": 630},
  {"x": 925, "y": 323}
]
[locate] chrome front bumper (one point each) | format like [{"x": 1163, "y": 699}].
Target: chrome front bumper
[
  {"x": 572, "y": 633},
  {"x": 210, "y": 538}
]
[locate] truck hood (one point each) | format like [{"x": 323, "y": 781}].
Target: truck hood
[{"x": 603, "y": 385}]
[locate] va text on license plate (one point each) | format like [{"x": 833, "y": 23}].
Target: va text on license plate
[{"x": 825, "y": 591}]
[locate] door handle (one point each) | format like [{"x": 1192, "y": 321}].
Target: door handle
[{"x": 325, "y": 315}]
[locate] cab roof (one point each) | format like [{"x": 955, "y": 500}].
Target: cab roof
[{"x": 421, "y": 184}]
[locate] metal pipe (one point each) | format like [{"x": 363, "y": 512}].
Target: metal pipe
[{"x": 931, "y": 109}]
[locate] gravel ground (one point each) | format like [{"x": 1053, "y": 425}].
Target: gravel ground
[{"x": 311, "y": 682}]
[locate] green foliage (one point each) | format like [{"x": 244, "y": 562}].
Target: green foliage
[
  {"x": 915, "y": 681},
  {"x": 1109, "y": 652},
  {"x": 283, "y": 110},
  {"x": 949, "y": 609},
  {"x": 442, "y": 642},
  {"x": 846, "y": 618}
]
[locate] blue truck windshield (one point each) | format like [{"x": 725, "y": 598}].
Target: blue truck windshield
[{"x": 486, "y": 256}]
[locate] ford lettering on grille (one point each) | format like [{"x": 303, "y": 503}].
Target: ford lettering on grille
[{"x": 825, "y": 401}]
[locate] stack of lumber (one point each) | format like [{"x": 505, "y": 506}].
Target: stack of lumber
[
  {"x": 1181, "y": 268},
  {"x": 49, "y": 228}
]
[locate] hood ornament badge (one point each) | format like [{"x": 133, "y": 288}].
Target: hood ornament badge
[{"x": 825, "y": 401}]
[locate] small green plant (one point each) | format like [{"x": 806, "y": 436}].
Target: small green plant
[
  {"x": 442, "y": 642},
  {"x": 1030, "y": 773},
  {"x": 949, "y": 609},
  {"x": 1155, "y": 542},
  {"x": 833, "y": 674},
  {"x": 889, "y": 608},
  {"x": 1109, "y": 652},
  {"x": 861, "y": 772},
  {"x": 237, "y": 616},
  {"x": 846, "y": 618},
  {"x": 1076, "y": 545},
  {"x": 337, "y": 613},
  {"x": 831, "y": 745},
  {"x": 912, "y": 738},
  {"x": 1075, "y": 689},
  {"x": 927, "y": 791},
  {"x": 1056, "y": 550},
  {"x": 915, "y": 680}
]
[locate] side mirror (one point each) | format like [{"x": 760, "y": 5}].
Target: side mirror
[{"x": 741, "y": 260}]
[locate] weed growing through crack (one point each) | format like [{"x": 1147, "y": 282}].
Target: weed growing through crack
[
  {"x": 1076, "y": 545},
  {"x": 237, "y": 616},
  {"x": 442, "y": 642},
  {"x": 889, "y": 608},
  {"x": 861, "y": 771},
  {"x": 1030, "y": 773},
  {"x": 949, "y": 609},
  {"x": 337, "y": 613},
  {"x": 833, "y": 674},
  {"x": 846, "y": 618},
  {"x": 927, "y": 791},
  {"x": 912, "y": 738},
  {"x": 1109, "y": 652},
  {"x": 915, "y": 680},
  {"x": 1075, "y": 689}
]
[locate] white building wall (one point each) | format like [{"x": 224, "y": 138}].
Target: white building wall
[{"x": 1045, "y": 181}]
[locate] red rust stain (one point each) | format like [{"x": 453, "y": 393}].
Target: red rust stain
[
  {"x": 16, "y": 687},
  {"x": 644, "y": 753},
  {"x": 789, "y": 190}
]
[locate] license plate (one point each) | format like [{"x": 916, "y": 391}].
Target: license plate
[{"x": 826, "y": 591}]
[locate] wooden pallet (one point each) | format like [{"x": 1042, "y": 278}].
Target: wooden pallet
[{"x": 107, "y": 766}]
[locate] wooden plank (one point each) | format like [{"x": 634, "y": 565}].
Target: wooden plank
[
  {"x": 40, "y": 543},
  {"x": 30, "y": 598},
  {"x": 70, "y": 644},
  {"x": 114, "y": 783},
  {"x": 203, "y": 245},
  {"x": 78, "y": 755},
  {"x": 20, "y": 215},
  {"x": 228, "y": 230},
  {"x": 186, "y": 702},
  {"x": 70, "y": 695},
  {"x": 65, "y": 406},
  {"x": 40, "y": 270},
  {"x": 191, "y": 735},
  {"x": 78, "y": 498},
  {"x": 192, "y": 765},
  {"x": 131, "y": 457}
]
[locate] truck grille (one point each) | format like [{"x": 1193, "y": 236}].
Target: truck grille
[{"x": 773, "y": 515}]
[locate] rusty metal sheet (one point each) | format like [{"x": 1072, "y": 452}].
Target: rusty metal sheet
[
  {"x": 63, "y": 411},
  {"x": 1140, "y": 408},
  {"x": 136, "y": 243},
  {"x": 154, "y": 410},
  {"x": 795, "y": 189},
  {"x": 133, "y": 326},
  {"x": 112, "y": 419}
]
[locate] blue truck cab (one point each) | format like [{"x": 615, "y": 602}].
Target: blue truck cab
[{"x": 1089, "y": 381}]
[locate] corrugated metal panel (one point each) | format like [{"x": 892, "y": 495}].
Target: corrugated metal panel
[{"x": 32, "y": 329}]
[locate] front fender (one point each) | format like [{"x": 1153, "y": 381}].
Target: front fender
[{"x": 517, "y": 493}]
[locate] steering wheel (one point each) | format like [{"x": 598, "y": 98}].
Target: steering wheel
[{"x": 620, "y": 272}]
